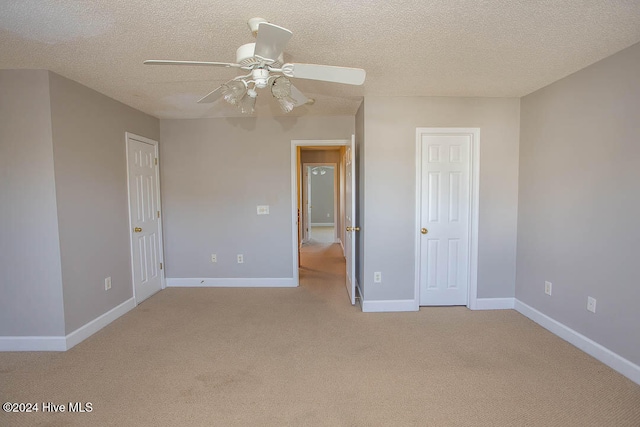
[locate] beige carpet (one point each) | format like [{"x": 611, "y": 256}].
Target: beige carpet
[{"x": 303, "y": 356}]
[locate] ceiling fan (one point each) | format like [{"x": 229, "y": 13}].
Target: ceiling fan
[{"x": 265, "y": 63}]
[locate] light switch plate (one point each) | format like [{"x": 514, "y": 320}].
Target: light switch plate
[{"x": 263, "y": 210}]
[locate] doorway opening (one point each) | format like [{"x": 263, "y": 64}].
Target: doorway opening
[
  {"x": 320, "y": 198},
  {"x": 319, "y": 236}
]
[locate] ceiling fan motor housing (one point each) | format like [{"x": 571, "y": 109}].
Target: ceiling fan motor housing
[
  {"x": 244, "y": 55},
  {"x": 260, "y": 77}
]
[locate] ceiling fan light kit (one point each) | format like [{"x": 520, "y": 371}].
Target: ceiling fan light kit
[
  {"x": 264, "y": 60},
  {"x": 233, "y": 91},
  {"x": 317, "y": 169},
  {"x": 247, "y": 104}
]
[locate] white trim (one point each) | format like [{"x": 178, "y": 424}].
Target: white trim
[
  {"x": 389, "y": 305},
  {"x": 493, "y": 304},
  {"x": 295, "y": 143},
  {"x": 63, "y": 343},
  {"x": 129, "y": 135},
  {"x": 231, "y": 282},
  {"x": 603, "y": 354},
  {"x": 474, "y": 208},
  {"x": 33, "y": 343},
  {"x": 84, "y": 332}
]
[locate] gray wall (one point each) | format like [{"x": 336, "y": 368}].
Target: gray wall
[
  {"x": 322, "y": 192},
  {"x": 30, "y": 273},
  {"x": 389, "y": 226},
  {"x": 214, "y": 174},
  {"x": 579, "y": 202},
  {"x": 91, "y": 187}
]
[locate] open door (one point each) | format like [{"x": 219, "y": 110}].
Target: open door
[
  {"x": 350, "y": 218},
  {"x": 306, "y": 203}
]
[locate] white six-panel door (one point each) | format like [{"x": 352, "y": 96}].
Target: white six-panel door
[
  {"x": 444, "y": 247},
  {"x": 144, "y": 211}
]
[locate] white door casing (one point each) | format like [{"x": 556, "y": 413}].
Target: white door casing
[
  {"x": 446, "y": 248},
  {"x": 350, "y": 219},
  {"x": 144, "y": 216}
]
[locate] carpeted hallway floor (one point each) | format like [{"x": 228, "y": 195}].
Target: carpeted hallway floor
[{"x": 304, "y": 356}]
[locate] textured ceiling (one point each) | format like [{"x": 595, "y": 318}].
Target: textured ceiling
[{"x": 499, "y": 48}]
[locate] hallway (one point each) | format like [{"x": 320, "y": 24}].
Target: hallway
[{"x": 322, "y": 271}]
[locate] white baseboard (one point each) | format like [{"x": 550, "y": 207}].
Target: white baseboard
[
  {"x": 389, "y": 305},
  {"x": 84, "y": 332},
  {"x": 493, "y": 304},
  {"x": 231, "y": 282},
  {"x": 33, "y": 343},
  {"x": 603, "y": 354},
  {"x": 63, "y": 343}
]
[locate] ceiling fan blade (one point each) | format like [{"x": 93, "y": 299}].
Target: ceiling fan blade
[
  {"x": 298, "y": 96},
  {"x": 271, "y": 41},
  {"x": 327, "y": 73},
  {"x": 212, "y": 96},
  {"x": 170, "y": 62}
]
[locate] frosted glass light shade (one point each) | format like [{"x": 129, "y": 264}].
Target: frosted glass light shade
[
  {"x": 247, "y": 104},
  {"x": 281, "y": 88},
  {"x": 234, "y": 91},
  {"x": 287, "y": 103}
]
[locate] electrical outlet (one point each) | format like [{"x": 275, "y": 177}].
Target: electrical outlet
[
  {"x": 547, "y": 287},
  {"x": 214, "y": 258},
  {"x": 591, "y": 304},
  {"x": 107, "y": 283},
  {"x": 240, "y": 258},
  {"x": 263, "y": 210},
  {"x": 377, "y": 277}
]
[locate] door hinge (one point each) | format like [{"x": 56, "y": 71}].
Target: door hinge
[
  {"x": 160, "y": 266},
  {"x": 158, "y": 214},
  {"x": 156, "y": 161}
]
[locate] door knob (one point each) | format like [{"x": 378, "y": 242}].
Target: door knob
[
  {"x": 424, "y": 230},
  {"x": 137, "y": 230},
  {"x": 348, "y": 228},
  {"x": 353, "y": 228}
]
